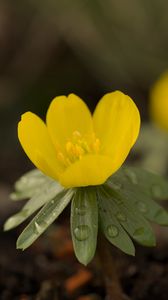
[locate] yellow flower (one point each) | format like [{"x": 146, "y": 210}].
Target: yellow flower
[
  {"x": 76, "y": 148},
  {"x": 159, "y": 102}
]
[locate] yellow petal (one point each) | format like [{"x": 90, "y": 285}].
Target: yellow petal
[
  {"x": 35, "y": 140},
  {"x": 90, "y": 170},
  {"x": 159, "y": 102},
  {"x": 67, "y": 115},
  {"x": 116, "y": 123}
]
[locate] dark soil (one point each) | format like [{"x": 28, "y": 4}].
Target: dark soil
[{"x": 49, "y": 270}]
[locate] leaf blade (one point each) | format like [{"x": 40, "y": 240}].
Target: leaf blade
[
  {"x": 134, "y": 223},
  {"x": 29, "y": 184},
  {"x": 47, "y": 192},
  {"x": 46, "y": 216},
  {"x": 110, "y": 226},
  {"x": 138, "y": 194},
  {"x": 152, "y": 184},
  {"x": 84, "y": 224}
]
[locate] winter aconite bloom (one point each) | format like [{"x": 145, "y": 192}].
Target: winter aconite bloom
[
  {"x": 76, "y": 148},
  {"x": 159, "y": 102}
]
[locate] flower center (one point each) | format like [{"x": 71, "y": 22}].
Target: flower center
[{"x": 78, "y": 146}]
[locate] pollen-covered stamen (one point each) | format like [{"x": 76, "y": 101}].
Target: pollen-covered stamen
[
  {"x": 77, "y": 147},
  {"x": 64, "y": 160},
  {"x": 76, "y": 134},
  {"x": 74, "y": 151},
  {"x": 96, "y": 145}
]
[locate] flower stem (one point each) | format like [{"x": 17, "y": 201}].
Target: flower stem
[{"x": 108, "y": 265}]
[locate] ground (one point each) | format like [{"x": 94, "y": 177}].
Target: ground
[{"x": 48, "y": 270}]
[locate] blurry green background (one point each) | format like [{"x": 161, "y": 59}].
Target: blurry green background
[{"x": 88, "y": 47}]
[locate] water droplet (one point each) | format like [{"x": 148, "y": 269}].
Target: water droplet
[
  {"x": 82, "y": 232},
  {"x": 156, "y": 191},
  {"x": 118, "y": 201},
  {"x": 142, "y": 206},
  {"x": 116, "y": 186},
  {"x": 80, "y": 210},
  {"x": 131, "y": 176},
  {"x": 121, "y": 217},
  {"x": 112, "y": 231},
  {"x": 139, "y": 231},
  {"x": 37, "y": 228}
]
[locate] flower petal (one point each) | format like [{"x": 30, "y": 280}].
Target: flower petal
[
  {"x": 66, "y": 115},
  {"x": 116, "y": 123},
  {"x": 90, "y": 170},
  {"x": 36, "y": 142}
]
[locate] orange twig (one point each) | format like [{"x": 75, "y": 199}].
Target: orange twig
[{"x": 79, "y": 279}]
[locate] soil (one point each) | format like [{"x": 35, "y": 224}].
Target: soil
[{"x": 48, "y": 270}]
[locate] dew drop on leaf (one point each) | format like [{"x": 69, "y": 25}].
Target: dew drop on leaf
[
  {"x": 82, "y": 232},
  {"x": 118, "y": 201},
  {"x": 37, "y": 228},
  {"x": 121, "y": 217},
  {"x": 142, "y": 206},
  {"x": 112, "y": 231},
  {"x": 116, "y": 186},
  {"x": 80, "y": 210},
  {"x": 131, "y": 176}
]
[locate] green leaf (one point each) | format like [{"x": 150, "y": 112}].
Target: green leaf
[
  {"x": 135, "y": 186},
  {"x": 152, "y": 184},
  {"x": 47, "y": 192},
  {"x": 46, "y": 216},
  {"x": 29, "y": 184},
  {"x": 149, "y": 208},
  {"x": 131, "y": 220},
  {"x": 111, "y": 227},
  {"x": 84, "y": 224}
]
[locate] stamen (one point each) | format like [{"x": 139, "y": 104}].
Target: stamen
[
  {"x": 76, "y": 134},
  {"x": 79, "y": 150},
  {"x": 77, "y": 147},
  {"x": 96, "y": 145},
  {"x": 62, "y": 159},
  {"x": 69, "y": 148},
  {"x": 60, "y": 156},
  {"x": 84, "y": 145}
]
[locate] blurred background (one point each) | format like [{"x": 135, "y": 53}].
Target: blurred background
[
  {"x": 49, "y": 48},
  {"x": 88, "y": 47}
]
